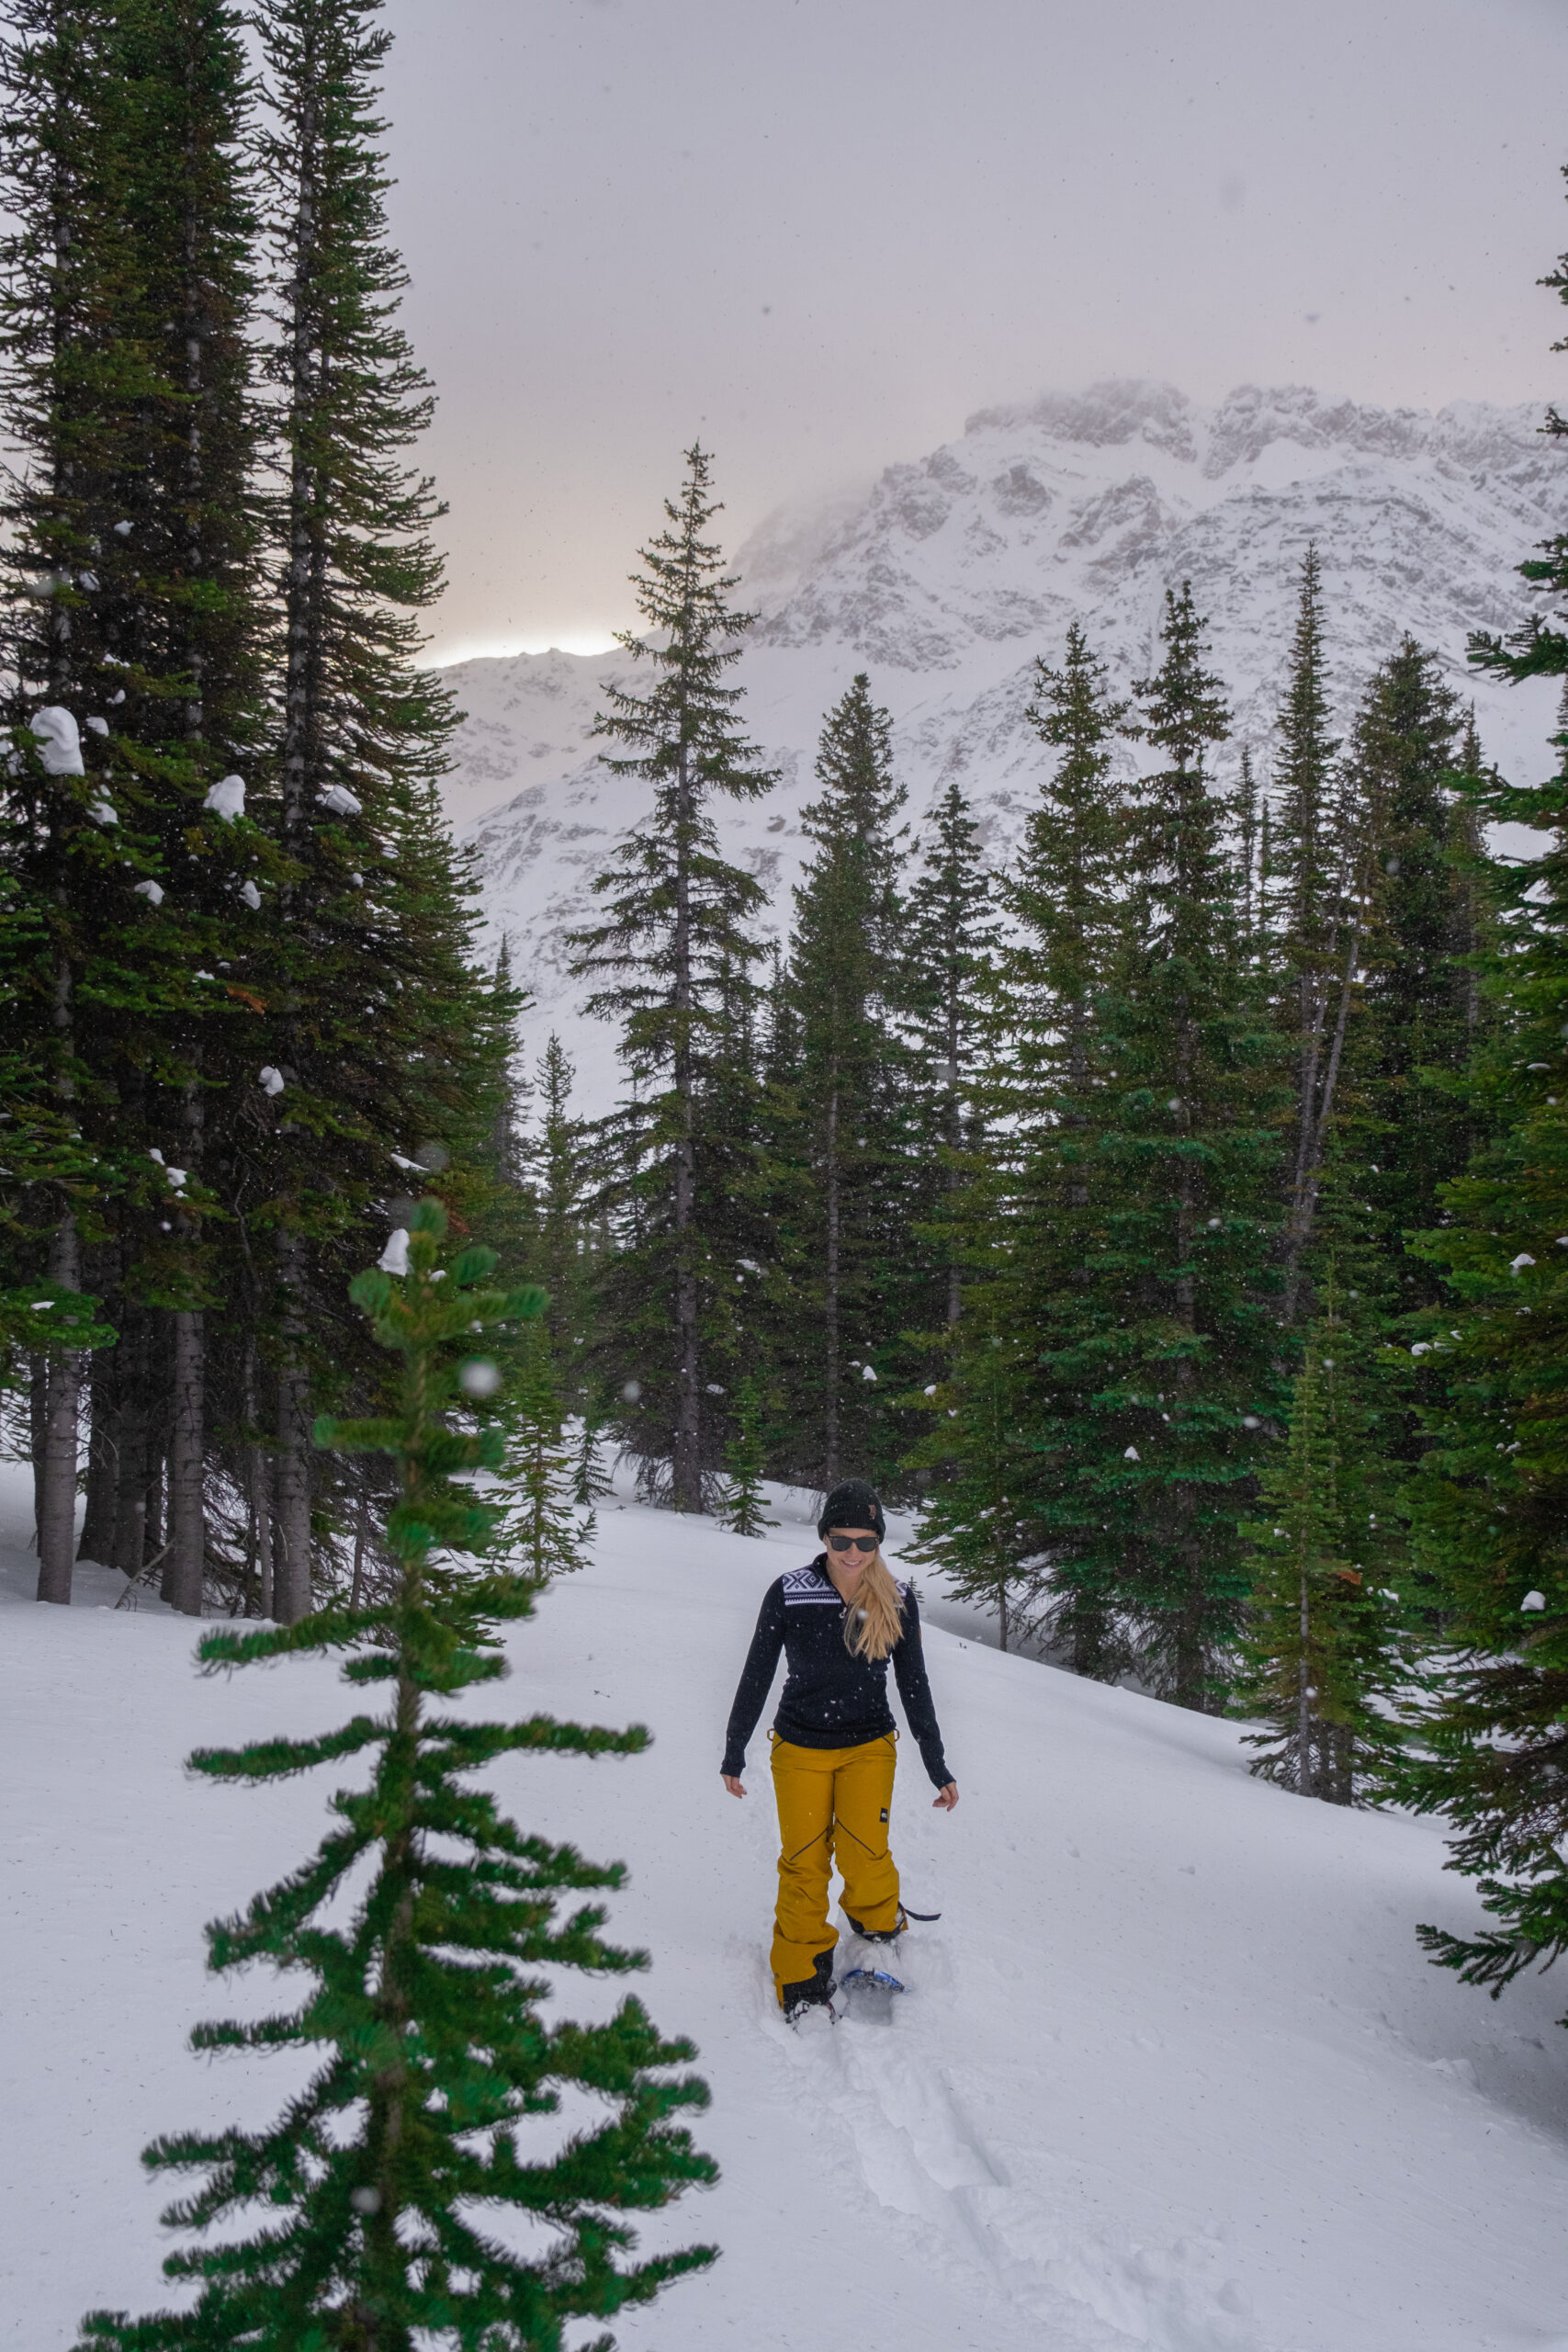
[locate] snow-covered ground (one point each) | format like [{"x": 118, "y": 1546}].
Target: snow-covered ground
[{"x": 1173, "y": 2073}]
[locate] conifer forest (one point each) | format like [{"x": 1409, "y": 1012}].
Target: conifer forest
[{"x": 1170, "y": 1217}]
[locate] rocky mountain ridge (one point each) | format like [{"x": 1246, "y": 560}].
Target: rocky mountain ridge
[{"x": 951, "y": 574}]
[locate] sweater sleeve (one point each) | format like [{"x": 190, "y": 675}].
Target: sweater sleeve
[
  {"x": 910, "y": 1671},
  {"x": 756, "y": 1681}
]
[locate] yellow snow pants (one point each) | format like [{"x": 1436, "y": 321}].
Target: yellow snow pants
[{"x": 833, "y": 1806}]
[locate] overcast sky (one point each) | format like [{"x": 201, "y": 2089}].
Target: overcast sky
[{"x": 820, "y": 233}]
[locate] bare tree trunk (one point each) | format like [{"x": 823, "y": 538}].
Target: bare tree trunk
[
  {"x": 687, "y": 1468},
  {"x": 57, "y": 1482},
  {"x": 96, "y": 1540},
  {"x": 291, "y": 1472},
  {"x": 954, "y": 1174},
  {"x": 361, "y": 1535},
  {"x": 130, "y": 1548},
  {"x": 261, "y": 1520},
  {"x": 56, "y": 1491},
  {"x": 184, "y": 1575},
  {"x": 258, "y": 1499},
  {"x": 1305, "y": 1777},
  {"x": 1002, "y": 1615},
  {"x": 187, "y": 1431},
  {"x": 291, "y": 1477},
  {"x": 831, "y": 1302},
  {"x": 38, "y": 1415}
]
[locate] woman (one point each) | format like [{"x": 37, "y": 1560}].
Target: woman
[{"x": 838, "y": 1622}]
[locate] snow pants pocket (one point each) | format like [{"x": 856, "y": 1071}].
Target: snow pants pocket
[{"x": 834, "y": 1807}]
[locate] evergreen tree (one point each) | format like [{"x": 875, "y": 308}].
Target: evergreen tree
[
  {"x": 673, "y": 949},
  {"x": 849, "y": 1224},
  {"x": 558, "y": 1161},
  {"x": 745, "y": 1508},
  {"x": 1320, "y": 846},
  {"x": 132, "y": 611},
  {"x": 1194, "y": 1152},
  {"x": 993, "y": 1517},
  {"x": 1322, "y": 1662},
  {"x": 1122, "y": 1360},
  {"x": 379, "y": 1031},
  {"x": 1492, "y": 1493},
  {"x": 950, "y": 947},
  {"x": 434, "y": 2057},
  {"x": 1419, "y": 988},
  {"x": 542, "y": 1529}
]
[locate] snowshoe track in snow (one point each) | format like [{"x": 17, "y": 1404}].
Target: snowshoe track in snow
[{"x": 921, "y": 2155}]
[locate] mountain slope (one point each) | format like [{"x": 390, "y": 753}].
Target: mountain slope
[
  {"x": 1173, "y": 2073},
  {"x": 953, "y": 574}
]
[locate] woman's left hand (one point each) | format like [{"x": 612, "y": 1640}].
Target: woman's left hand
[{"x": 945, "y": 1799}]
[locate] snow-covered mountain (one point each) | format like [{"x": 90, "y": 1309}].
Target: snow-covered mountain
[{"x": 951, "y": 574}]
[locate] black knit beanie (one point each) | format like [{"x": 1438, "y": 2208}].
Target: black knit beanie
[{"x": 852, "y": 1504}]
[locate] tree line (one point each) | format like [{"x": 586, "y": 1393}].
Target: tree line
[
  {"x": 1170, "y": 1215},
  {"x": 244, "y": 1010}
]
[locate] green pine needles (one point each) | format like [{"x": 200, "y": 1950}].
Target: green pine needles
[
  {"x": 370, "y": 2197},
  {"x": 1322, "y": 1662}
]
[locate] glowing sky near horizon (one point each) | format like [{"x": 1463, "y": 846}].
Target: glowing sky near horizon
[{"x": 818, "y": 233}]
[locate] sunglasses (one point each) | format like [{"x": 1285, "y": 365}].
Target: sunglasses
[{"x": 855, "y": 1542}]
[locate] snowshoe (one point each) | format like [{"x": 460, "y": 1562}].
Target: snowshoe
[{"x": 869, "y": 1993}]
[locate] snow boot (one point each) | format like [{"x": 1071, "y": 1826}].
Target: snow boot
[
  {"x": 880, "y": 1935},
  {"x": 812, "y": 1993}
]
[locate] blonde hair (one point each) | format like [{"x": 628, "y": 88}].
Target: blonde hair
[{"x": 873, "y": 1619}]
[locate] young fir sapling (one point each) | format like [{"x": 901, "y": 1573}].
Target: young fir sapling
[{"x": 370, "y": 2198}]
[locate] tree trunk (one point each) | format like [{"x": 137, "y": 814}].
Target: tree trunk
[
  {"x": 57, "y": 1489},
  {"x": 261, "y": 1525},
  {"x": 830, "y": 1303},
  {"x": 131, "y": 1549},
  {"x": 291, "y": 1477},
  {"x": 184, "y": 1574},
  {"x": 1304, "y": 1775},
  {"x": 38, "y": 1412},
  {"x": 687, "y": 1468},
  {"x": 361, "y": 1537},
  {"x": 96, "y": 1541},
  {"x": 57, "y": 1478}
]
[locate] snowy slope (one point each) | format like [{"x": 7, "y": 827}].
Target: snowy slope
[
  {"x": 1174, "y": 2074},
  {"x": 952, "y": 574}
]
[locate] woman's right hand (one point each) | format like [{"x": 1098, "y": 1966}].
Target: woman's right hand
[{"x": 732, "y": 1783}]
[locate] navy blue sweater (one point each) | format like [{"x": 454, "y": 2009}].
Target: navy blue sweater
[{"x": 831, "y": 1699}]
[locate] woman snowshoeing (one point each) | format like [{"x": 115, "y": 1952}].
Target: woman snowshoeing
[{"x": 838, "y": 1622}]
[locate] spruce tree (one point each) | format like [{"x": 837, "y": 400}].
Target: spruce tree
[
  {"x": 849, "y": 1227},
  {"x": 1194, "y": 1152},
  {"x": 1322, "y": 841},
  {"x": 543, "y": 1529},
  {"x": 1148, "y": 1358},
  {"x": 556, "y": 1161},
  {"x": 1419, "y": 988},
  {"x": 126, "y": 370},
  {"x": 377, "y": 1026},
  {"x": 1322, "y": 1658},
  {"x": 433, "y": 2061},
  {"x": 950, "y": 945},
  {"x": 1492, "y": 1492},
  {"x": 671, "y": 951},
  {"x": 745, "y": 1504},
  {"x": 996, "y": 1516}
]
